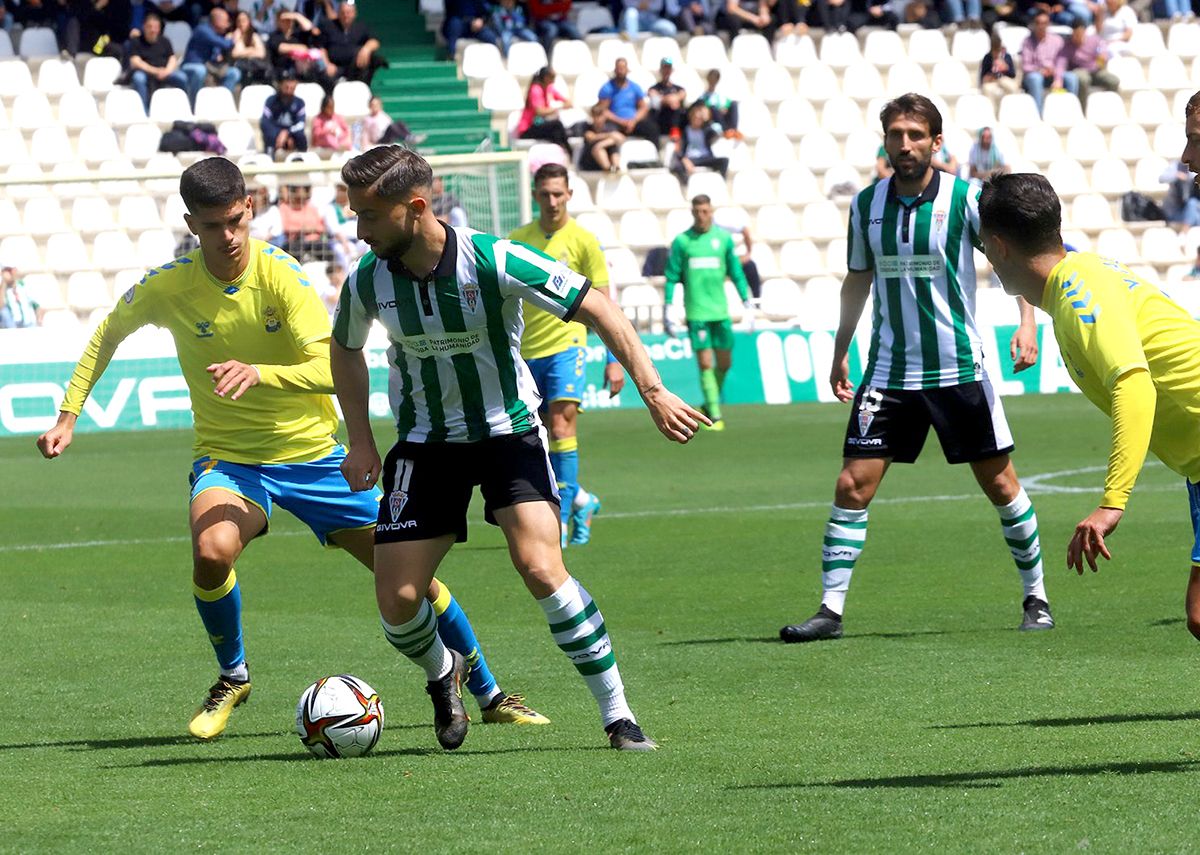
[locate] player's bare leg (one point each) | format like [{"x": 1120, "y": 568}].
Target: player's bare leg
[
  {"x": 222, "y": 523},
  {"x": 457, "y": 633},
  {"x": 1192, "y": 603},
  {"x": 845, "y": 537},
  {"x": 998, "y": 479},
  {"x": 531, "y": 529},
  {"x": 403, "y": 574},
  {"x": 710, "y": 387}
]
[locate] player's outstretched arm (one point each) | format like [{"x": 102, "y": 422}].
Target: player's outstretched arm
[
  {"x": 856, "y": 287},
  {"x": 676, "y": 420},
  {"x": 352, "y": 384},
  {"x": 1024, "y": 345}
]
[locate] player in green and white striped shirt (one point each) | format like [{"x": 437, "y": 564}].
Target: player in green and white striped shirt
[
  {"x": 912, "y": 236},
  {"x": 466, "y": 412}
]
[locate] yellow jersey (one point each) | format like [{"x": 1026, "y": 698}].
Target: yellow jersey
[
  {"x": 577, "y": 248},
  {"x": 270, "y": 317},
  {"x": 1109, "y": 323}
]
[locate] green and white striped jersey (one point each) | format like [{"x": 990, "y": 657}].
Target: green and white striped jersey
[
  {"x": 455, "y": 368},
  {"x": 923, "y": 333}
]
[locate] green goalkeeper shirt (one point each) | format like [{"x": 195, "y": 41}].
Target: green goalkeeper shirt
[{"x": 702, "y": 261}]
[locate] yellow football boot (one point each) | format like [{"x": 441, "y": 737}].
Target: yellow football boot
[
  {"x": 209, "y": 721},
  {"x": 511, "y": 709}
]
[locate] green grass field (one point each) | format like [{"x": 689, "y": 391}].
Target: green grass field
[{"x": 933, "y": 725}]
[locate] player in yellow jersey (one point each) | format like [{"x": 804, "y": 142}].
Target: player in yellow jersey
[
  {"x": 555, "y": 352},
  {"x": 252, "y": 338},
  {"x": 1132, "y": 351}
]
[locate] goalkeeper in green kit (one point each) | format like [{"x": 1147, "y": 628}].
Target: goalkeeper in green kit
[{"x": 701, "y": 259}]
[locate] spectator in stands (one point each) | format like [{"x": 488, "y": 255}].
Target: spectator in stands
[
  {"x": 1182, "y": 201},
  {"x": 1087, "y": 54},
  {"x": 507, "y": 19},
  {"x": 446, "y": 206},
  {"x": 625, "y": 106},
  {"x": 872, "y": 13},
  {"x": 1173, "y": 10},
  {"x": 649, "y": 15},
  {"x": 724, "y": 112},
  {"x": 666, "y": 99},
  {"x": 737, "y": 222},
  {"x": 351, "y": 48},
  {"x": 303, "y": 226},
  {"x": 883, "y": 165},
  {"x": 945, "y": 160},
  {"x": 152, "y": 62},
  {"x": 695, "y": 146},
  {"x": 790, "y": 17},
  {"x": 1045, "y": 63},
  {"x": 249, "y": 51},
  {"x": 956, "y": 11},
  {"x": 923, "y": 14},
  {"x": 267, "y": 225},
  {"x": 551, "y": 20},
  {"x": 341, "y": 225},
  {"x": 293, "y": 49},
  {"x": 749, "y": 15},
  {"x": 188, "y": 11},
  {"x": 283, "y": 120},
  {"x": 466, "y": 19},
  {"x": 835, "y": 14},
  {"x": 6, "y": 18},
  {"x": 540, "y": 118},
  {"x": 985, "y": 159},
  {"x": 380, "y": 128},
  {"x": 209, "y": 51},
  {"x": 1115, "y": 23},
  {"x": 1066, "y": 14},
  {"x": 330, "y": 130},
  {"x": 601, "y": 144},
  {"x": 998, "y": 72},
  {"x": 336, "y": 275},
  {"x": 98, "y": 27},
  {"x": 17, "y": 309},
  {"x": 698, "y": 17}
]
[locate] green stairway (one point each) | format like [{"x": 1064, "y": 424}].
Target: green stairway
[{"x": 422, "y": 90}]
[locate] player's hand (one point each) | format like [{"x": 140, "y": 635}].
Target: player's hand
[
  {"x": 55, "y": 441},
  {"x": 362, "y": 467},
  {"x": 614, "y": 378},
  {"x": 839, "y": 379},
  {"x": 1023, "y": 348},
  {"x": 233, "y": 377},
  {"x": 1088, "y": 540},
  {"x": 676, "y": 420}
]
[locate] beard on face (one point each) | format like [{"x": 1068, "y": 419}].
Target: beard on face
[{"x": 910, "y": 170}]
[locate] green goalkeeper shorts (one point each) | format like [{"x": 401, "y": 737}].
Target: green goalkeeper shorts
[{"x": 711, "y": 334}]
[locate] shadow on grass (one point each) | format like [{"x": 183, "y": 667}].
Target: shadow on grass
[
  {"x": 1171, "y": 621},
  {"x": 774, "y": 639},
  {"x": 1078, "y": 721},
  {"x": 302, "y": 756},
  {"x": 160, "y": 741},
  {"x": 987, "y": 779}
]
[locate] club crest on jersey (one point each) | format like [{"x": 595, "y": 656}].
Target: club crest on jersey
[
  {"x": 939, "y": 220},
  {"x": 470, "y": 295},
  {"x": 867, "y": 408},
  {"x": 204, "y": 329},
  {"x": 271, "y": 320}
]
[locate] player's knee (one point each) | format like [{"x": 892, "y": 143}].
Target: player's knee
[
  {"x": 216, "y": 550},
  {"x": 853, "y": 491}
]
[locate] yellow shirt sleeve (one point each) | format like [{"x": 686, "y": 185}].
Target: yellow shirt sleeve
[
  {"x": 1133, "y": 403},
  {"x": 132, "y": 312},
  {"x": 313, "y": 375},
  {"x": 309, "y": 324},
  {"x": 595, "y": 267}
]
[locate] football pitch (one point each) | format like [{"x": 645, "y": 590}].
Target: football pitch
[{"x": 933, "y": 725}]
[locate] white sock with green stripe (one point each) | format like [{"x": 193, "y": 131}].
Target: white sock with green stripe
[
  {"x": 1020, "y": 526},
  {"x": 418, "y": 639},
  {"x": 845, "y": 536},
  {"x": 578, "y": 630}
]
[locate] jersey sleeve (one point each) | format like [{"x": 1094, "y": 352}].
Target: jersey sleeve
[
  {"x": 1105, "y": 330},
  {"x": 594, "y": 266},
  {"x": 525, "y": 272},
  {"x": 134, "y": 310},
  {"x": 859, "y": 256},
  {"x": 356, "y": 307},
  {"x": 972, "y": 212},
  {"x": 302, "y": 306}
]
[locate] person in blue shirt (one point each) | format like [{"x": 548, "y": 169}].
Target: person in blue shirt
[
  {"x": 625, "y": 106},
  {"x": 17, "y": 309},
  {"x": 209, "y": 49},
  {"x": 467, "y": 19},
  {"x": 283, "y": 119}
]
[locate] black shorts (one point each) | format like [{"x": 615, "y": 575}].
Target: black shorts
[
  {"x": 893, "y": 423},
  {"x": 427, "y": 486}
]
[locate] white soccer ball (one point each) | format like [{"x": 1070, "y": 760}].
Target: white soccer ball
[{"x": 339, "y": 716}]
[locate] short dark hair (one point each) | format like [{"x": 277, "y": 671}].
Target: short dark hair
[
  {"x": 702, "y": 199},
  {"x": 150, "y": 15},
  {"x": 1193, "y": 105},
  {"x": 214, "y": 182},
  {"x": 1023, "y": 208},
  {"x": 391, "y": 170},
  {"x": 912, "y": 104},
  {"x": 548, "y": 171}
]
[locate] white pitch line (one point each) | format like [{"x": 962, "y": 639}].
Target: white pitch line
[{"x": 1035, "y": 484}]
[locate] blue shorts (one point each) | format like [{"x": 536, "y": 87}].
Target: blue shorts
[
  {"x": 315, "y": 492},
  {"x": 1194, "y": 501},
  {"x": 559, "y": 376}
]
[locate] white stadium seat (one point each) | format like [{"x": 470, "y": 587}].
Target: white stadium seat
[
  {"x": 6, "y": 45},
  {"x": 929, "y": 48},
  {"x": 38, "y": 42},
  {"x": 100, "y": 74},
  {"x": 657, "y": 48},
  {"x": 795, "y": 51},
  {"x": 1149, "y": 108},
  {"x": 12, "y": 149},
  {"x": 753, "y": 188},
  {"x": 237, "y": 136},
  {"x": 526, "y": 59},
  {"x": 155, "y": 247},
  {"x": 169, "y": 105},
  {"x": 77, "y": 109},
  {"x": 750, "y": 51},
  {"x": 795, "y": 118},
  {"x": 754, "y": 119},
  {"x": 88, "y": 290},
  {"x": 481, "y": 61},
  {"x": 1042, "y": 145},
  {"x": 594, "y": 18},
  {"x": 623, "y": 266},
  {"x": 774, "y": 151},
  {"x": 571, "y": 57},
  {"x": 974, "y": 111},
  {"x": 777, "y": 223},
  {"x": 861, "y": 149},
  {"x": 10, "y": 219},
  {"x": 253, "y": 97},
  {"x": 1068, "y": 178},
  {"x": 123, "y": 107},
  {"x": 801, "y": 259},
  {"x": 640, "y": 230},
  {"x": 798, "y": 186},
  {"x": 351, "y": 99},
  {"x": 1090, "y": 212},
  {"x": 840, "y": 49},
  {"x": 764, "y": 258},
  {"x": 824, "y": 220},
  {"x": 820, "y": 308},
  {"x": 1117, "y": 243},
  {"x": 44, "y": 289},
  {"x": 501, "y": 93},
  {"x": 21, "y": 252},
  {"x": 141, "y": 141},
  {"x": 213, "y": 104},
  {"x": 51, "y": 145},
  {"x": 862, "y": 82},
  {"x": 1106, "y": 109},
  {"x": 818, "y": 82},
  {"x": 841, "y": 116},
  {"x": 905, "y": 77},
  {"x": 1166, "y": 140},
  {"x": 113, "y": 250},
  {"x": 773, "y": 83},
  {"x": 612, "y": 49},
  {"x": 617, "y": 193},
  {"x": 953, "y": 79},
  {"x": 92, "y": 214},
  {"x": 31, "y": 110},
  {"x": 1062, "y": 110},
  {"x": 67, "y": 252},
  {"x": 1147, "y": 41},
  {"x": 178, "y": 33},
  {"x": 884, "y": 48},
  {"x": 782, "y": 300},
  {"x": 1129, "y": 142},
  {"x": 1147, "y": 172},
  {"x": 14, "y": 78},
  {"x": 1161, "y": 245},
  {"x": 709, "y": 184},
  {"x": 705, "y": 52},
  {"x": 819, "y": 150},
  {"x": 1128, "y": 70},
  {"x": 1183, "y": 40},
  {"x": 98, "y": 143},
  {"x": 312, "y": 95},
  {"x": 1018, "y": 112},
  {"x": 43, "y": 216},
  {"x": 1168, "y": 74},
  {"x": 969, "y": 45},
  {"x": 1086, "y": 143},
  {"x": 56, "y": 76},
  {"x": 661, "y": 192}
]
